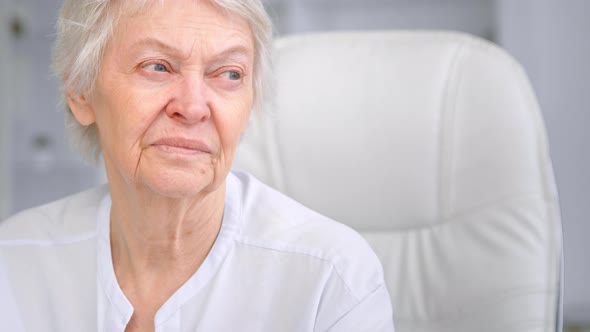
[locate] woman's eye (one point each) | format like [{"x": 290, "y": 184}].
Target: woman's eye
[
  {"x": 156, "y": 67},
  {"x": 232, "y": 75}
]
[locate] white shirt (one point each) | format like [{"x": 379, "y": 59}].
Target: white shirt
[{"x": 275, "y": 266}]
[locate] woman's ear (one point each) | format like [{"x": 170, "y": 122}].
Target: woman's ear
[{"x": 81, "y": 109}]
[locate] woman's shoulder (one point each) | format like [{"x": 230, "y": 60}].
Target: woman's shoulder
[
  {"x": 60, "y": 221},
  {"x": 49, "y": 251},
  {"x": 269, "y": 212},
  {"x": 273, "y": 221}
]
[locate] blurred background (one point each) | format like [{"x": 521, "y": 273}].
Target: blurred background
[{"x": 549, "y": 37}]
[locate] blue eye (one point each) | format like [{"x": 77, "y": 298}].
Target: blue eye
[
  {"x": 159, "y": 67},
  {"x": 156, "y": 67},
  {"x": 233, "y": 75}
]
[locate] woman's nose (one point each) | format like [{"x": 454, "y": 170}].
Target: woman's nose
[{"x": 190, "y": 103}]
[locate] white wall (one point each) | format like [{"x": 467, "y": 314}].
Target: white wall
[
  {"x": 43, "y": 166},
  {"x": 552, "y": 40},
  {"x": 474, "y": 16},
  {"x": 3, "y": 123},
  {"x": 4, "y": 115}
]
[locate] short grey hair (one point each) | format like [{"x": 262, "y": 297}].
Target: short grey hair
[{"x": 84, "y": 28}]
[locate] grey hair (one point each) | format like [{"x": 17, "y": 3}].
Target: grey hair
[{"x": 84, "y": 28}]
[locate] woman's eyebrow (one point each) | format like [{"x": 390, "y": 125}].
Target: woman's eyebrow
[
  {"x": 237, "y": 51},
  {"x": 151, "y": 42}
]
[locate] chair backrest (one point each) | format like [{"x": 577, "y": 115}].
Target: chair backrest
[{"x": 432, "y": 145}]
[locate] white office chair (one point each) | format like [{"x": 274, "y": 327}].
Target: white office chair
[{"x": 430, "y": 144}]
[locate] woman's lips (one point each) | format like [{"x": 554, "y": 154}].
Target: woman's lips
[{"x": 183, "y": 146}]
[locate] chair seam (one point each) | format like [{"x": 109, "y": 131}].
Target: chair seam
[
  {"x": 481, "y": 209},
  {"x": 278, "y": 170},
  {"x": 447, "y": 117}
]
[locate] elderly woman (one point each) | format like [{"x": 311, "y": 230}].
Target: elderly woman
[{"x": 177, "y": 242}]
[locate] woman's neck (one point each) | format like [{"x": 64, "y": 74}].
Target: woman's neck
[{"x": 158, "y": 243}]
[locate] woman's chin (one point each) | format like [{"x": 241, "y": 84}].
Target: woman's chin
[{"x": 179, "y": 184}]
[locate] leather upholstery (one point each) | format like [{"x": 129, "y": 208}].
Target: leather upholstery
[{"x": 432, "y": 145}]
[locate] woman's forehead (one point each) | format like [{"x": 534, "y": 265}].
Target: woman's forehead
[
  {"x": 185, "y": 24},
  {"x": 126, "y": 8}
]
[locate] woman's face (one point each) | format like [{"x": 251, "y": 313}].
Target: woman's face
[{"x": 173, "y": 97}]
